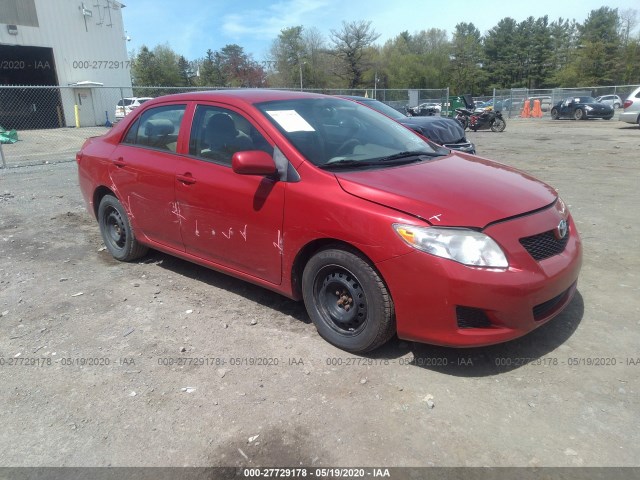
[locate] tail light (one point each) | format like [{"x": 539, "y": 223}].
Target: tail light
[
  {"x": 79, "y": 157},
  {"x": 627, "y": 103}
]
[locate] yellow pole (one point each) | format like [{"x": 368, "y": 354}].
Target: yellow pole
[{"x": 77, "y": 112}]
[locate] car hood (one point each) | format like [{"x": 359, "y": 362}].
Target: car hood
[
  {"x": 440, "y": 130},
  {"x": 456, "y": 190}
]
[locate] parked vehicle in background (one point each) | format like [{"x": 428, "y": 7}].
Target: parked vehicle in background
[
  {"x": 631, "y": 112},
  {"x": 482, "y": 119},
  {"x": 581, "y": 108},
  {"x": 478, "y": 104},
  {"x": 441, "y": 130},
  {"x": 613, "y": 100},
  {"x": 425, "y": 109},
  {"x": 321, "y": 199},
  {"x": 545, "y": 102},
  {"x": 126, "y": 105}
]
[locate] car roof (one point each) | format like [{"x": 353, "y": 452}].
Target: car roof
[{"x": 246, "y": 96}]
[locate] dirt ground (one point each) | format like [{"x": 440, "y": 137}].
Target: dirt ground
[{"x": 164, "y": 363}]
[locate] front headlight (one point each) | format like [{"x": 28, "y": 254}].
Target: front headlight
[{"x": 459, "y": 244}]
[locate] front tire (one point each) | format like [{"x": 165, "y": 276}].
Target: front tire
[
  {"x": 554, "y": 114},
  {"x": 347, "y": 300},
  {"x": 579, "y": 114},
  {"x": 116, "y": 231}
]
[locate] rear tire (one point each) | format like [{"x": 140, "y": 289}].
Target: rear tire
[
  {"x": 498, "y": 125},
  {"x": 579, "y": 114},
  {"x": 116, "y": 231},
  {"x": 554, "y": 114},
  {"x": 347, "y": 300}
]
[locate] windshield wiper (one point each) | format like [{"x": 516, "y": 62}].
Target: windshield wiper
[
  {"x": 396, "y": 159},
  {"x": 410, "y": 154},
  {"x": 344, "y": 163}
]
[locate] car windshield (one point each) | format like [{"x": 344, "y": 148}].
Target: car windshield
[
  {"x": 336, "y": 133},
  {"x": 586, "y": 100}
]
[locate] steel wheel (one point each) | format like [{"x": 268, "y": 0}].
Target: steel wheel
[
  {"x": 554, "y": 114},
  {"x": 578, "y": 114},
  {"x": 341, "y": 299},
  {"x": 116, "y": 230},
  {"x": 347, "y": 300}
]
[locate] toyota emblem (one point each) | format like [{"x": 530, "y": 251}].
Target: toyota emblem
[{"x": 562, "y": 229}]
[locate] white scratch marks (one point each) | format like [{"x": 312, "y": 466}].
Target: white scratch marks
[
  {"x": 279, "y": 244},
  {"x": 243, "y": 232},
  {"x": 437, "y": 217},
  {"x": 213, "y": 232},
  {"x": 197, "y": 231},
  {"x": 175, "y": 209},
  {"x": 228, "y": 235}
]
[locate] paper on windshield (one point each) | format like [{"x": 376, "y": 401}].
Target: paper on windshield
[{"x": 290, "y": 120}]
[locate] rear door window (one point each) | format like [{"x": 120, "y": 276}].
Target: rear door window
[{"x": 157, "y": 128}]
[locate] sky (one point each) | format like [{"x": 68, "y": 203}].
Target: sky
[{"x": 190, "y": 27}]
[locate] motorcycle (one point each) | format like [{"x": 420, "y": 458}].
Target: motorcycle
[{"x": 487, "y": 119}]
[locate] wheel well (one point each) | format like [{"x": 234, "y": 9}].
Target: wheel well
[
  {"x": 97, "y": 197},
  {"x": 308, "y": 251}
]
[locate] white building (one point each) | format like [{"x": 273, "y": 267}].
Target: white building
[{"x": 75, "y": 44}]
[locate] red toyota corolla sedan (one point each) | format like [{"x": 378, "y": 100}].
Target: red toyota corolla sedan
[{"x": 378, "y": 230}]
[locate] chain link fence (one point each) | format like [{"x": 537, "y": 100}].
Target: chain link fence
[
  {"x": 49, "y": 124},
  {"x": 511, "y": 102}
]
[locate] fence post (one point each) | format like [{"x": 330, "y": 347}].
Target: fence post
[{"x": 4, "y": 164}]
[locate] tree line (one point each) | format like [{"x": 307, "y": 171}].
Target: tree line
[{"x": 534, "y": 53}]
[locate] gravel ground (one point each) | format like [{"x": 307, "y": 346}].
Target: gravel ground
[{"x": 164, "y": 363}]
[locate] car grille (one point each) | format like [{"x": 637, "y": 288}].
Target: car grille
[
  {"x": 468, "y": 317},
  {"x": 544, "y": 245}
]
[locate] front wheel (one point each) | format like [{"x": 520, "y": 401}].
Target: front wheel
[
  {"x": 347, "y": 300},
  {"x": 608, "y": 118},
  {"x": 116, "y": 231},
  {"x": 555, "y": 115},
  {"x": 463, "y": 121},
  {"x": 498, "y": 125},
  {"x": 579, "y": 114}
]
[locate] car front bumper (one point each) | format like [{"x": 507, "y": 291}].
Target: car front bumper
[{"x": 443, "y": 302}]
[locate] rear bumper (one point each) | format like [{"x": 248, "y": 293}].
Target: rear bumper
[{"x": 629, "y": 117}]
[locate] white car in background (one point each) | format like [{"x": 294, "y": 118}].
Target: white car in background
[
  {"x": 631, "y": 112},
  {"x": 127, "y": 105},
  {"x": 614, "y": 100}
]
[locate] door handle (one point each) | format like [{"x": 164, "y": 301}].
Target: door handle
[
  {"x": 119, "y": 162},
  {"x": 186, "y": 178}
]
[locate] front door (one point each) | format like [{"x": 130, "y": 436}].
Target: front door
[
  {"x": 230, "y": 219},
  {"x": 84, "y": 100}
]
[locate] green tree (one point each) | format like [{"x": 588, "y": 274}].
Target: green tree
[
  {"x": 288, "y": 56},
  {"x": 600, "y": 48},
  {"x": 465, "y": 68}
]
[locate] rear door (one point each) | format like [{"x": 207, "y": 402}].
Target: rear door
[
  {"x": 226, "y": 218},
  {"x": 142, "y": 173}
]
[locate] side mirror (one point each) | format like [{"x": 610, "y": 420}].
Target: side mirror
[{"x": 253, "y": 162}]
